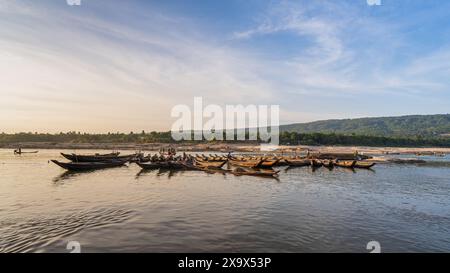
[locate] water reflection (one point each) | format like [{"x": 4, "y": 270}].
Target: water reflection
[
  {"x": 159, "y": 172},
  {"x": 67, "y": 175},
  {"x": 169, "y": 173}
]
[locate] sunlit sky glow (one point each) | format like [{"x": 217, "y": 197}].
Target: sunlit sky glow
[{"x": 122, "y": 65}]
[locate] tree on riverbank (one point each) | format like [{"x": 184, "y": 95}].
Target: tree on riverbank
[{"x": 286, "y": 138}]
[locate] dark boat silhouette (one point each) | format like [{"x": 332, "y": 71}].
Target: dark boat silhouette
[
  {"x": 88, "y": 166},
  {"x": 99, "y": 158}
]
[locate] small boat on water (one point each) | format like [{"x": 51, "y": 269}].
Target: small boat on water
[
  {"x": 212, "y": 164},
  {"x": 100, "y": 158},
  {"x": 253, "y": 172},
  {"x": 151, "y": 165},
  {"x": 345, "y": 163},
  {"x": 297, "y": 162},
  {"x": 246, "y": 164},
  {"x": 340, "y": 156},
  {"x": 208, "y": 169},
  {"x": 425, "y": 154},
  {"x": 19, "y": 152},
  {"x": 88, "y": 166},
  {"x": 161, "y": 165},
  {"x": 364, "y": 165},
  {"x": 267, "y": 164}
]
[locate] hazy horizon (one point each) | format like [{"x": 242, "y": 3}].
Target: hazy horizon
[
  {"x": 121, "y": 66},
  {"x": 138, "y": 131}
]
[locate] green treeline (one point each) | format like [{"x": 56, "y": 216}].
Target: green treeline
[
  {"x": 405, "y": 126},
  {"x": 294, "y": 138},
  {"x": 286, "y": 138}
]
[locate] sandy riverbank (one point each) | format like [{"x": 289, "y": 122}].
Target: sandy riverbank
[{"x": 225, "y": 147}]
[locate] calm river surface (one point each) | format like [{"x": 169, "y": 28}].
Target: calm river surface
[{"x": 42, "y": 208}]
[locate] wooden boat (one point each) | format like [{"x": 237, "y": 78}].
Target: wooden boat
[
  {"x": 88, "y": 166},
  {"x": 266, "y": 173},
  {"x": 316, "y": 163},
  {"x": 193, "y": 167},
  {"x": 266, "y": 164},
  {"x": 21, "y": 152},
  {"x": 149, "y": 165},
  {"x": 99, "y": 158},
  {"x": 282, "y": 162},
  {"x": 211, "y": 159},
  {"x": 327, "y": 163},
  {"x": 211, "y": 164},
  {"x": 246, "y": 164},
  {"x": 339, "y": 156},
  {"x": 424, "y": 153},
  {"x": 298, "y": 162},
  {"x": 345, "y": 163},
  {"x": 110, "y": 154},
  {"x": 144, "y": 159},
  {"x": 175, "y": 165},
  {"x": 364, "y": 165}
]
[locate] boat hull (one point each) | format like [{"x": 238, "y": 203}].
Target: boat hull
[
  {"x": 297, "y": 163},
  {"x": 161, "y": 165},
  {"x": 345, "y": 164},
  {"x": 88, "y": 166},
  {"x": 99, "y": 158},
  {"x": 364, "y": 165},
  {"x": 214, "y": 164}
]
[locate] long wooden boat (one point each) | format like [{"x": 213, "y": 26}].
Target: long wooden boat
[
  {"x": 364, "y": 165},
  {"x": 339, "y": 156},
  {"x": 297, "y": 162},
  {"x": 212, "y": 164},
  {"x": 174, "y": 165},
  {"x": 88, "y": 166},
  {"x": 211, "y": 159},
  {"x": 266, "y": 173},
  {"x": 281, "y": 161},
  {"x": 345, "y": 163},
  {"x": 424, "y": 153},
  {"x": 246, "y": 164},
  {"x": 21, "y": 152},
  {"x": 149, "y": 165},
  {"x": 269, "y": 163},
  {"x": 193, "y": 167},
  {"x": 99, "y": 158}
]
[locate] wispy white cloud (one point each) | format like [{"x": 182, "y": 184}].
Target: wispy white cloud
[
  {"x": 97, "y": 71},
  {"x": 350, "y": 52},
  {"x": 66, "y": 68}
]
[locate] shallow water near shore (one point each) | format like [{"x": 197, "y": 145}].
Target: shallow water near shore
[{"x": 406, "y": 208}]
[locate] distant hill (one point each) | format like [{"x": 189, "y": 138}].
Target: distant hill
[{"x": 404, "y": 126}]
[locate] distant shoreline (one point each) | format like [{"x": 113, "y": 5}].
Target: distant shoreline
[{"x": 221, "y": 147}]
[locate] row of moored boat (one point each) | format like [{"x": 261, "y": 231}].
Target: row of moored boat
[{"x": 237, "y": 165}]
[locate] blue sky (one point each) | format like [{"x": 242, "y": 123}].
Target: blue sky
[{"x": 122, "y": 65}]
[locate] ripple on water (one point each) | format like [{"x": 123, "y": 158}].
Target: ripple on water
[{"x": 32, "y": 234}]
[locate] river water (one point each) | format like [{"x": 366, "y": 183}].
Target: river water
[{"x": 406, "y": 208}]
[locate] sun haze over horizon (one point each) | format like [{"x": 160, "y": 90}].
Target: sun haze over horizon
[{"x": 109, "y": 66}]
